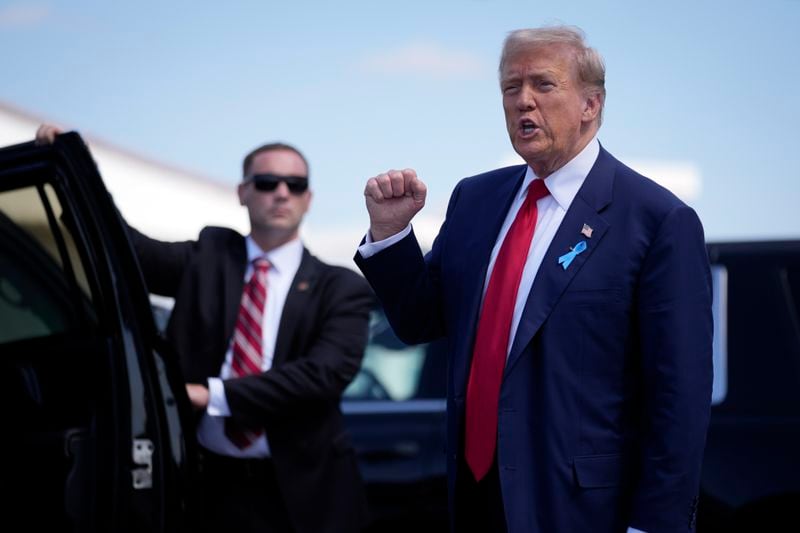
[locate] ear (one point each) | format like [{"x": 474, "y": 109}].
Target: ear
[
  {"x": 241, "y": 191},
  {"x": 591, "y": 108}
]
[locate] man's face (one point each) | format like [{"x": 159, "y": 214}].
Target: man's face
[
  {"x": 548, "y": 114},
  {"x": 279, "y": 209}
]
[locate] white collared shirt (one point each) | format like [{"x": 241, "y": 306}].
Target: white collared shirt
[
  {"x": 563, "y": 185},
  {"x": 284, "y": 262}
]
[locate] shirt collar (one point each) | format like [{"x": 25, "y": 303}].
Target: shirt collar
[
  {"x": 284, "y": 258},
  {"x": 565, "y": 182}
]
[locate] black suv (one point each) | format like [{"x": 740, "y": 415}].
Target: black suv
[{"x": 751, "y": 467}]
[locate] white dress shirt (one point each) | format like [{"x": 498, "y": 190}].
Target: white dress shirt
[{"x": 284, "y": 262}]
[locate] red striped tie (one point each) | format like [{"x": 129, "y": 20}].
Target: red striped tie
[
  {"x": 491, "y": 340},
  {"x": 247, "y": 343}
]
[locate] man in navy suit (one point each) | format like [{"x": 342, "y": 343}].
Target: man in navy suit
[{"x": 575, "y": 297}]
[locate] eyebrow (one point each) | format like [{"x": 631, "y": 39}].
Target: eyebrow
[{"x": 539, "y": 74}]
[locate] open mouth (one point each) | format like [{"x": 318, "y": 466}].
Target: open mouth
[{"x": 528, "y": 127}]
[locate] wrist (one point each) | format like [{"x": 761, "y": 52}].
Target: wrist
[{"x": 379, "y": 232}]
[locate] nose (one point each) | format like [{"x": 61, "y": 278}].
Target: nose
[
  {"x": 282, "y": 190},
  {"x": 526, "y": 100}
]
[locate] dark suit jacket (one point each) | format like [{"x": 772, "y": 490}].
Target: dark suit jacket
[
  {"x": 321, "y": 340},
  {"x": 606, "y": 392}
]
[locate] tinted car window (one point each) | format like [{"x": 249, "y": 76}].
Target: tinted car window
[
  {"x": 45, "y": 319},
  {"x": 392, "y": 370},
  {"x": 42, "y": 282}
]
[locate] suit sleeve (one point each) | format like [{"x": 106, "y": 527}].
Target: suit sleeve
[
  {"x": 409, "y": 286},
  {"x": 675, "y": 330},
  {"x": 162, "y": 263},
  {"x": 324, "y": 371}
]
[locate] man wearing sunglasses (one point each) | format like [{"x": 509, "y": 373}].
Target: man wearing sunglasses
[{"x": 268, "y": 338}]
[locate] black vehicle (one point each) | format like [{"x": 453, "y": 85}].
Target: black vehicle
[
  {"x": 395, "y": 410},
  {"x": 92, "y": 438},
  {"x": 751, "y": 468}
]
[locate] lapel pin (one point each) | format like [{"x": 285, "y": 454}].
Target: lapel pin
[
  {"x": 302, "y": 286},
  {"x": 587, "y": 231},
  {"x": 567, "y": 258}
]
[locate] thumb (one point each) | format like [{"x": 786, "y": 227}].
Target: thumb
[
  {"x": 415, "y": 186},
  {"x": 419, "y": 191}
]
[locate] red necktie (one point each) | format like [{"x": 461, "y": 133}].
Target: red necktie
[
  {"x": 491, "y": 340},
  {"x": 247, "y": 343}
]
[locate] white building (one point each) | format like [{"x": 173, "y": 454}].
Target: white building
[{"x": 160, "y": 200}]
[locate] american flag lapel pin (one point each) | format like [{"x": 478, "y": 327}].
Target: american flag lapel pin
[{"x": 587, "y": 231}]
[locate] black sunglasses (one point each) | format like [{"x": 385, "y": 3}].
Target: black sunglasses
[{"x": 269, "y": 182}]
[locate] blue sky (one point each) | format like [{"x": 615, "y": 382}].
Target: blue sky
[{"x": 365, "y": 86}]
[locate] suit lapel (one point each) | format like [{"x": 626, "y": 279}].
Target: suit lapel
[
  {"x": 296, "y": 306},
  {"x": 233, "y": 269},
  {"x": 482, "y": 237},
  {"x": 552, "y": 279},
  {"x": 479, "y": 243}
]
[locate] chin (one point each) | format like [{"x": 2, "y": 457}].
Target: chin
[
  {"x": 528, "y": 147},
  {"x": 278, "y": 225},
  {"x": 283, "y": 226},
  {"x": 529, "y": 155}
]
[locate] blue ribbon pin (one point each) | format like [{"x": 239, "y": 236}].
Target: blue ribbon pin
[{"x": 567, "y": 258}]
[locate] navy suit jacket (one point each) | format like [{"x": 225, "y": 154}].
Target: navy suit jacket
[{"x": 606, "y": 392}]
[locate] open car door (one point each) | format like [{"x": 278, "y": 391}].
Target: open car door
[{"x": 93, "y": 433}]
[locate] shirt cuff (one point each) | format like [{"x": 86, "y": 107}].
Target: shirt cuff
[
  {"x": 370, "y": 247},
  {"x": 217, "y": 402}
]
